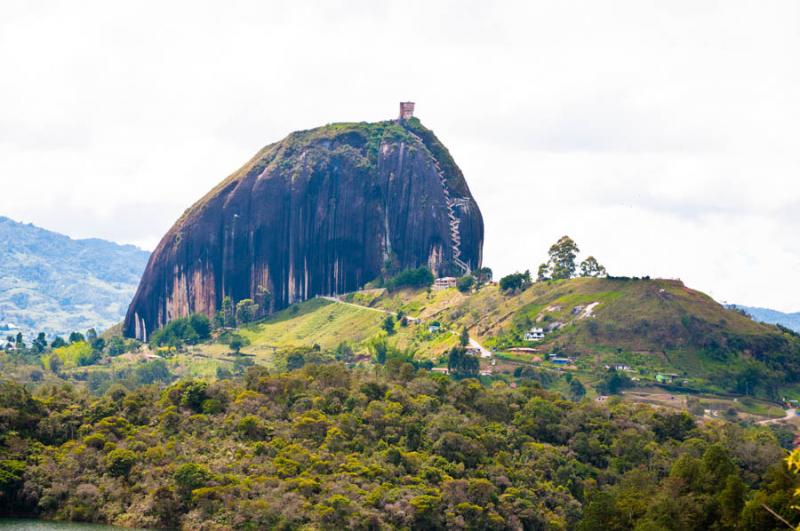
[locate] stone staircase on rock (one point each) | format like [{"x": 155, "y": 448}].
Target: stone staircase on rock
[{"x": 453, "y": 220}]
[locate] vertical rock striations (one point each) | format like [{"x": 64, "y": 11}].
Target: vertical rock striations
[{"x": 321, "y": 212}]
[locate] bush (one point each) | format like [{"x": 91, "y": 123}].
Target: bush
[
  {"x": 191, "y": 476},
  {"x": 465, "y": 283},
  {"x": 188, "y": 330},
  {"x": 120, "y": 461},
  {"x": 516, "y": 281},
  {"x": 411, "y": 278}
]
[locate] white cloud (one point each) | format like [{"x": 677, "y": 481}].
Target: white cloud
[{"x": 662, "y": 137}]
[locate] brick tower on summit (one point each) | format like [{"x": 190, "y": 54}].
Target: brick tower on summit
[{"x": 406, "y": 110}]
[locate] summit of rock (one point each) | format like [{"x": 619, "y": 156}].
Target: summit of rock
[{"x": 321, "y": 212}]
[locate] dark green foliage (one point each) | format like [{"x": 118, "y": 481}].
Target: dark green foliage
[
  {"x": 295, "y": 360},
  {"x": 465, "y": 283},
  {"x": 186, "y": 330},
  {"x": 189, "y": 393},
  {"x": 592, "y": 268},
  {"x": 152, "y": 372},
  {"x": 577, "y": 389},
  {"x": 191, "y": 476},
  {"x": 482, "y": 276},
  {"x": 116, "y": 346},
  {"x": 246, "y": 311},
  {"x": 461, "y": 364},
  {"x": 463, "y": 338},
  {"x": 672, "y": 425},
  {"x": 384, "y": 447},
  {"x": 58, "y": 342},
  {"x": 613, "y": 382},
  {"x": 562, "y": 258},
  {"x": 411, "y": 278},
  {"x": 516, "y": 282},
  {"x": 388, "y": 324},
  {"x": 120, "y": 461}
]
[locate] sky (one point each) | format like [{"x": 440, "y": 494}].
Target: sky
[{"x": 661, "y": 136}]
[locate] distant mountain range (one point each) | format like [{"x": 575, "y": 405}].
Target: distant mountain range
[
  {"x": 765, "y": 315},
  {"x": 54, "y": 284}
]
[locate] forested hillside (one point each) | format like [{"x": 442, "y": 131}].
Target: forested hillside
[
  {"x": 51, "y": 283},
  {"x": 765, "y": 315},
  {"x": 326, "y": 447}
]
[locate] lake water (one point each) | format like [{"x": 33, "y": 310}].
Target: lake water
[{"x": 26, "y": 524}]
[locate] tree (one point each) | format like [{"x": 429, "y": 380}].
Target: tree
[
  {"x": 592, "y": 268},
  {"x": 99, "y": 344},
  {"x": 116, "y": 346},
  {"x": 201, "y": 325},
  {"x": 461, "y": 364},
  {"x": 152, "y": 371},
  {"x": 236, "y": 345},
  {"x": 577, "y": 389},
  {"x": 263, "y": 299},
  {"x": 191, "y": 476},
  {"x": 75, "y": 337},
  {"x": 379, "y": 348},
  {"x": 58, "y": 342},
  {"x": 228, "y": 316},
  {"x": 543, "y": 273},
  {"x": 465, "y": 283},
  {"x": 388, "y": 324},
  {"x": 55, "y": 364},
  {"x": 120, "y": 461},
  {"x": 516, "y": 282},
  {"x": 295, "y": 361},
  {"x": 463, "y": 339},
  {"x": 411, "y": 278},
  {"x": 562, "y": 258},
  {"x": 344, "y": 352},
  {"x": 482, "y": 276},
  {"x": 246, "y": 311},
  {"x": 40, "y": 343},
  {"x": 613, "y": 382}
]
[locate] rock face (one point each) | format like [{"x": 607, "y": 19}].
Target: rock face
[{"x": 322, "y": 212}]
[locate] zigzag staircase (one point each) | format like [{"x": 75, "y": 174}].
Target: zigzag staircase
[{"x": 453, "y": 220}]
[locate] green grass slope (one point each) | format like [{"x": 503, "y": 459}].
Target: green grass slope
[
  {"x": 315, "y": 322},
  {"x": 652, "y": 325}
]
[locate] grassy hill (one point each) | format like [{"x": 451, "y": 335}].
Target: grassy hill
[{"x": 651, "y": 326}]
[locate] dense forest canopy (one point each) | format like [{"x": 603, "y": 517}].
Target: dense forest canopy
[{"x": 383, "y": 447}]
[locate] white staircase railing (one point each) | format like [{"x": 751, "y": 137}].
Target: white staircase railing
[{"x": 453, "y": 219}]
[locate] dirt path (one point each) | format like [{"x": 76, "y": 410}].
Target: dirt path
[
  {"x": 790, "y": 414},
  {"x": 334, "y": 299},
  {"x": 485, "y": 353}
]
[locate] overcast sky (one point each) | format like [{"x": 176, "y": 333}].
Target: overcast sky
[{"x": 662, "y": 136}]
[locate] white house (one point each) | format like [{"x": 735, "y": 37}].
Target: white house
[{"x": 534, "y": 334}]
